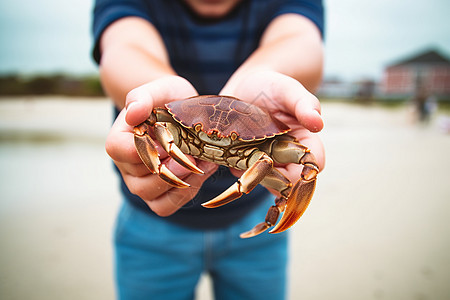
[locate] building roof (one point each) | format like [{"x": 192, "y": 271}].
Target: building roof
[{"x": 426, "y": 57}]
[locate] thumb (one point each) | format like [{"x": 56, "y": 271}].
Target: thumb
[
  {"x": 141, "y": 100},
  {"x": 308, "y": 113}
]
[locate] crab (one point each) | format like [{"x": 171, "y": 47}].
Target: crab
[{"x": 227, "y": 131}]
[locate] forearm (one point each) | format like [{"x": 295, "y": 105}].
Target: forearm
[
  {"x": 291, "y": 45},
  {"x": 126, "y": 63}
]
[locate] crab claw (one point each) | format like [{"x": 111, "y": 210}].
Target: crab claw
[
  {"x": 146, "y": 150},
  {"x": 297, "y": 202}
]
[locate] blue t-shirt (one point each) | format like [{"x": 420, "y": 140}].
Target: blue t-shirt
[{"x": 206, "y": 52}]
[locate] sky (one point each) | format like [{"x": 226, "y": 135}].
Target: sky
[{"x": 362, "y": 37}]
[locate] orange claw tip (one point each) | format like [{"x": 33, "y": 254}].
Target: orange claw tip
[
  {"x": 176, "y": 183},
  {"x": 181, "y": 158},
  {"x": 166, "y": 175},
  {"x": 187, "y": 164},
  {"x": 217, "y": 202},
  {"x": 246, "y": 235},
  {"x": 281, "y": 228},
  {"x": 289, "y": 218},
  {"x": 227, "y": 196},
  {"x": 258, "y": 229},
  {"x": 214, "y": 203}
]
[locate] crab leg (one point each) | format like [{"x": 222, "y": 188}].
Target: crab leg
[
  {"x": 165, "y": 138},
  {"x": 146, "y": 150},
  {"x": 248, "y": 181},
  {"x": 277, "y": 181},
  {"x": 294, "y": 200},
  {"x": 300, "y": 195},
  {"x": 297, "y": 203},
  {"x": 271, "y": 219}
]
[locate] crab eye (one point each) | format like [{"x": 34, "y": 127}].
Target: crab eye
[
  {"x": 198, "y": 127},
  {"x": 234, "y": 135}
]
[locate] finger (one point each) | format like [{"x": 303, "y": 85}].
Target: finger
[
  {"x": 147, "y": 185},
  {"x": 121, "y": 147},
  {"x": 135, "y": 170},
  {"x": 150, "y": 186},
  {"x": 278, "y": 92},
  {"x": 299, "y": 102},
  {"x": 120, "y": 142},
  {"x": 141, "y": 100},
  {"x": 307, "y": 112}
]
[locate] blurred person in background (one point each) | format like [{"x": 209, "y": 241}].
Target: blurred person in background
[{"x": 268, "y": 52}]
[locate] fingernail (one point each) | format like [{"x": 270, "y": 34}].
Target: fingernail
[
  {"x": 130, "y": 105},
  {"x": 317, "y": 121}
]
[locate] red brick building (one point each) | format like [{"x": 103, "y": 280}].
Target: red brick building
[{"x": 429, "y": 70}]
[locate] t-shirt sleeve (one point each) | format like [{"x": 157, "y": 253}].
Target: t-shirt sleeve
[
  {"x": 311, "y": 9},
  {"x": 108, "y": 11}
]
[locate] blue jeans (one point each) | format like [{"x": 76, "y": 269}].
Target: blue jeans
[{"x": 156, "y": 259}]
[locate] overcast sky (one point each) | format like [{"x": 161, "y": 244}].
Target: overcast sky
[{"x": 361, "y": 36}]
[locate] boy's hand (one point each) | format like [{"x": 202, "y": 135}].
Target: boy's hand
[
  {"x": 161, "y": 197},
  {"x": 289, "y": 102}
]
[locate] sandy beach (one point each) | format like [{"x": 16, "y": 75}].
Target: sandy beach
[{"x": 377, "y": 228}]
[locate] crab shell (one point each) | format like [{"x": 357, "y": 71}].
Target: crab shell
[{"x": 220, "y": 116}]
